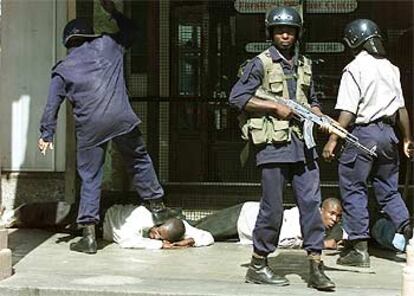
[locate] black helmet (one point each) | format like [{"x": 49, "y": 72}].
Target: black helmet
[
  {"x": 284, "y": 15},
  {"x": 78, "y": 28},
  {"x": 359, "y": 31}
]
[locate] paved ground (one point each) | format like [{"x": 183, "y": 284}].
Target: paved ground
[{"x": 44, "y": 266}]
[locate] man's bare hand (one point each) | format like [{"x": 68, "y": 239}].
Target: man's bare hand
[
  {"x": 330, "y": 244},
  {"x": 408, "y": 148},
  {"x": 108, "y": 6},
  {"x": 166, "y": 244},
  {"x": 328, "y": 150},
  {"x": 43, "y": 145},
  {"x": 283, "y": 112},
  {"x": 323, "y": 128},
  {"x": 185, "y": 243}
]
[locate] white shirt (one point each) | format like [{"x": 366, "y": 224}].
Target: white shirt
[
  {"x": 127, "y": 225},
  {"x": 290, "y": 232},
  {"x": 370, "y": 88}
]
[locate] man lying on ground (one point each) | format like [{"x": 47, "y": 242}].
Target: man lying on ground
[
  {"x": 133, "y": 227},
  {"x": 130, "y": 226},
  {"x": 238, "y": 222}
]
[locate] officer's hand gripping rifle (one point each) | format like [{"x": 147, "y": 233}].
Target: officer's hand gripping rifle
[{"x": 302, "y": 113}]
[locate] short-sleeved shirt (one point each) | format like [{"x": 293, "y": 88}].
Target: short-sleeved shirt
[
  {"x": 370, "y": 88},
  {"x": 244, "y": 89}
]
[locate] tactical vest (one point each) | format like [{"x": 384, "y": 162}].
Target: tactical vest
[{"x": 268, "y": 129}]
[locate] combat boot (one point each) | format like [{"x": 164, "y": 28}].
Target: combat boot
[
  {"x": 161, "y": 213},
  {"x": 358, "y": 256},
  {"x": 87, "y": 244},
  {"x": 317, "y": 277},
  {"x": 407, "y": 231},
  {"x": 259, "y": 272}
]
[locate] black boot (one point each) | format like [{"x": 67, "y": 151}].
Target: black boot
[
  {"x": 161, "y": 213},
  {"x": 317, "y": 277},
  {"x": 87, "y": 244},
  {"x": 260, "y": 273},
  {"x": 357, "y": 256},
  {"x": 407, "y": 231}
]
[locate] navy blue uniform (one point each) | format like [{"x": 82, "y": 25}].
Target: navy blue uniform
[
  {"x": 370, "y": 89},
  {"x": 91, "y": 77},
  {"x": 280, "y": 163}
]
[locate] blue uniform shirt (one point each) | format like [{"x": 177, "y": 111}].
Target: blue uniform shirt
[
  {"x": 244, "y": 89},
  {"x": 92, "y": 78}
]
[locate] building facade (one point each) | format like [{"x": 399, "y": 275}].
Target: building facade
[{"x": 179, "y": 74}]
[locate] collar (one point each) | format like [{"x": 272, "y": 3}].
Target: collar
[
  {"x": 362, "y": 53},
  {"x": 275, "y": 55}
]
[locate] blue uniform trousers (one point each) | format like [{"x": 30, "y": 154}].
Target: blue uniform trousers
[
  {"x": 90, "y": 168},
  {"x": 306, "y": 188},
  {"x": 354, "y": 170}
]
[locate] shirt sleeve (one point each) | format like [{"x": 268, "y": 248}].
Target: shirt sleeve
[
  {"x": 128, "y": 31},
  {"x": 335, "y": 233},
  {"x": 201, "y": 237},
  {"x": 290, "y": 231},
  {"x": 400, "y": 96},
  {"x": 247, "y": 221},
  {"x": 125, "y": 225},
  {"x": 247, "y": 85},
  {"x": 349, "y": 93},
  {"x": 55, "y": 98},
  {"x": 139, "y": 242},
  {"x": 313, "y": 99}
]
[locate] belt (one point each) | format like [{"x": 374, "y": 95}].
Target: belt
[{"x": 389, "y": 120}]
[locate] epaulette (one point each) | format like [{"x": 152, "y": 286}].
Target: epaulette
[{"x": 57, "y": 64}]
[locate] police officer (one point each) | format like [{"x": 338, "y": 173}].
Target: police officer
[
  {"x": 371, "y": 103},
  {"x": 281, "y": 153},
  {"x": 92, "y": 78}
]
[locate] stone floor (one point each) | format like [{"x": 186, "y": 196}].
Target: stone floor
[{"x": 44, "y": 266}]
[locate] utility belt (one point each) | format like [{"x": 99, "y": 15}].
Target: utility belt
[{"x": 389, "y": 120}]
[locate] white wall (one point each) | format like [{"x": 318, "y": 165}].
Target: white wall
[{"x": 30, "y": 46}]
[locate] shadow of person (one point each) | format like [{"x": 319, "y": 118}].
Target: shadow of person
[
  {"x": 379, "y": 252},
  {"x": 295, "y": 262},
  {"x": 291, "y": 262},
  {"x": 65, "y": 239},
  {"x": 102, "y": 244},
  {"x": 24, "y": 241}
]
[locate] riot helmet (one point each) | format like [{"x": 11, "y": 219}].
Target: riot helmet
[
  {"x": 285, "y": 15},
  {"x": 364, "y": 34},
  {"x": 77, "y": 28}
]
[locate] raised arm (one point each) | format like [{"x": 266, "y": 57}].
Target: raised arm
[{"x": 128, "y": 31}]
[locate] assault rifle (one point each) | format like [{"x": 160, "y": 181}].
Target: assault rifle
[{"x": 302, "y": 113}]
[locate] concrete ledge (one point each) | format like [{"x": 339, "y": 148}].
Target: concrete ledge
[
  {"x": 18, "y": 188},
  {"x": 5, "y": 255},
  {"x": 5, "y": 263},
  {"x": 3, "y": 238}
]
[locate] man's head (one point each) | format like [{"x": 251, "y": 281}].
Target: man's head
[
  {"x": 364, "y": 34},
  {"x": 76, "y": 32},
  {"x": 283, "y": 27},
  {"x": 331, "y": 212},
  {"x": 172, "y": 230}
]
